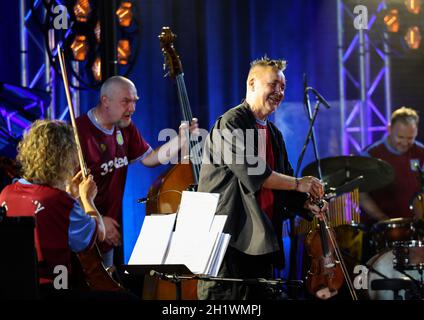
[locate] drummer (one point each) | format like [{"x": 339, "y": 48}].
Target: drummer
[{"x": 400, "y": 149}]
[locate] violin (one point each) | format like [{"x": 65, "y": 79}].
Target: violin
[
  {"x": 325, "y": 276},
  {"x": 328, "y": 271}
]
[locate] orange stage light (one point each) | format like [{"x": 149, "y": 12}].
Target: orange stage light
[
  {"x": 413, "y": 6},
  {"x": 97, "y": 69},
  {"x": 97, "y": 31},
  {"x": 124, "y": 51},
  {"x": 392, "y": 21},
  {"x": 125, "y": 14},
  {"x": 413, "y": 37},
  {"x": 80, "y": 47},
  {"x": 82, "y": 10}
]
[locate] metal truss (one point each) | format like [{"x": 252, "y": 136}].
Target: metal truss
[
  {"x": 362, "y": 117},
  {"x": 45, "y": 77}
]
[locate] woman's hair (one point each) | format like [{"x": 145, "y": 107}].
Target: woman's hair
[{"x": 48, "y": 153}]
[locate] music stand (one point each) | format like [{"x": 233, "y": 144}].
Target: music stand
[{"x": 168, "y": 272}]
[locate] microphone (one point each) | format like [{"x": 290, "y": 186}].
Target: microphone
[
  {"x": 145, "y": 199},
  {"x": 319, "y": 96}
]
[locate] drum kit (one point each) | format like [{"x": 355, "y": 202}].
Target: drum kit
[{"x": 396, "y": 269}]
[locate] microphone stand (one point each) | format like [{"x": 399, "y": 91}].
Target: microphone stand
[
  {"x": 176, "y": 280},
  {"x": 309, "y": 136}
]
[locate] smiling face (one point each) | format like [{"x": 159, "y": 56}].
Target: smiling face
[
  {"x": 265, "y": 92},
  {"x": 120, "y": 104},
  {"x": 402, "y": 135}
]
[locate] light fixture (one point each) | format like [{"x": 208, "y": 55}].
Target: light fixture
[
  {"x": 97, "y": 31},
  {"x": 391, "y": 21},
  {"x": 413, "y": 37},
  {"x": 124, "y": 51},
  {"x": 80, "y": 47},
  {"x": 97, "y": 69},
  {"x": 82, "y": 10},
  {"x": 125, "y": 14},
  {"x": 413, "y": 6}
]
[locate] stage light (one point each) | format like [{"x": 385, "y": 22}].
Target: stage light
[
  {"x": 413, "y": 37},
  {"x": 80, "y": 47},
  {"x": 82, "y": 10},
  {"x": 97, "y": 31},
  {"x": 413, "y": 6},
  {"x": 97, "y": 69},
  {"x": 392, "y": 21},
  {"x": 124, "y": 51},
  {"x": 125, "y": 14}
]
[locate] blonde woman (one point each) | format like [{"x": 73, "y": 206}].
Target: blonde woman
[{"x": 48, "y": 157}]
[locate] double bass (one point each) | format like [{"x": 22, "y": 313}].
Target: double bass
[{"x": 164, "y": 195}]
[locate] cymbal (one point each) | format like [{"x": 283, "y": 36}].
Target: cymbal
[{"x": 337, "y": 171}]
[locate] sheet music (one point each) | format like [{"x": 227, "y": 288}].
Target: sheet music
[
  {"x": 219, "y": 254},
  {"x": 196, "y": 209},
  {"x": 197, "y": 242},
  {"x": 153, "y": 239},
  {"x": 190, "y": 250}
]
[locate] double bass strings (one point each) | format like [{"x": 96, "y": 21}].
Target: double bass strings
[{"x": 187, "y": 116}]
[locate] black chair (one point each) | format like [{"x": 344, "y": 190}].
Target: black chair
[{"x": 18, "y": 266}]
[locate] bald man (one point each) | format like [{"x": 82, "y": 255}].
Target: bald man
[{"x": 110, "y": 141}]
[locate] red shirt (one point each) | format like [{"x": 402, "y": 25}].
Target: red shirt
[
  {"x": 107, "y": 154},
  {"x": 394, "y": 199},
  {"x": 265, "y": 196},
  {"x": 61, "y": 226}
]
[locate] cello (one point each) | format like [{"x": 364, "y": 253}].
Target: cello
[{"x": 164, "y": 195}]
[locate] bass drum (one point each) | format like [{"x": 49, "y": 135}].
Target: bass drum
[{"x": 389, "y": 279}]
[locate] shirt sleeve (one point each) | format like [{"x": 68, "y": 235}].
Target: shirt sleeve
[
  {"x": 240, "y": 154},
  {"x": 82, "y": 229},
  {"x": 138, "y": 148}
]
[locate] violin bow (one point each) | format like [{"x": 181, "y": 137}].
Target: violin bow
[
  {"x": 339, "y": 255},
  {"x": 61, "y": 57}
]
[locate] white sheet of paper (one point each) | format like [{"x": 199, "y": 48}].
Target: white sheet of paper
[
  {"x": 196, "y": 212},
  {"x": 153, "y": 239},
  {"x": 191, "y": 250},
  {"x": 222, "y": 248}
]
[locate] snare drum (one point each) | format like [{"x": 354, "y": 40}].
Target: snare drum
[{"x": 386, "y": 233}]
